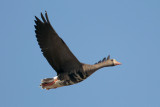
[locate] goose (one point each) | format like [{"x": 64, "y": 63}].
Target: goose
[{"x": 69, "y": 69}]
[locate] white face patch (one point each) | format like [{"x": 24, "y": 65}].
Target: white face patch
[{"x": 114, "y": 61}]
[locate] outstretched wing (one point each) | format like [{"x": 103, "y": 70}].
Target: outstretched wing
[{"x": 53, "y": 47}]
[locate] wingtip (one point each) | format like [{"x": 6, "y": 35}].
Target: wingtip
[
  {"x": 44, "y": 20},
  {"x": 45, "y": 12},
  {"x": 36, "y": 18},
  {"x": 46, "y": 15},
  {"x": 41, "y": 13}
]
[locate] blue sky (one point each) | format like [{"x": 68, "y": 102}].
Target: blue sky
[{"x": 128, "y": 30}]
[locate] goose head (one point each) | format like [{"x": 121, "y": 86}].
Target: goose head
[{"x": 112, "y": 62}]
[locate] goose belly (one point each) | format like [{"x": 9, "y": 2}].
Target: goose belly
[{"x": 73, "y": 78}]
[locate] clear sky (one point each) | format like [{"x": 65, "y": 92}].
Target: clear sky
[{"x": 128, "y": 30}]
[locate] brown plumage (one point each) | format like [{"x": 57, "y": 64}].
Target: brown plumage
[{"x": 69, "y": 69}]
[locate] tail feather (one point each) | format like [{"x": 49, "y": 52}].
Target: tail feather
[
  {"x": 50, "y": 83},
  {"x": 46, "y": 83},
  {"x": 47, "y": 80}
]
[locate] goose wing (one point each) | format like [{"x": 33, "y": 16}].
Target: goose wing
[{"x": 53, "y": 47}]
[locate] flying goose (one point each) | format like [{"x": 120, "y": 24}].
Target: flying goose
[{"x": 69, "y": 70}]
